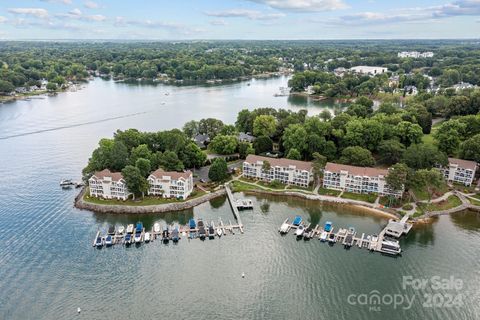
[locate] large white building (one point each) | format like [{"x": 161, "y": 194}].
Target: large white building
[
  {"x": 460, "y": 171},
  {"x": 108, "y": 185},
  {"x": 170, "y": 184},
  {"x": 415, "y": 54},
  {"x": 372, "y": 71},
  {"x": 286, "y": 171},
  {"x": 357, "y": 179}
]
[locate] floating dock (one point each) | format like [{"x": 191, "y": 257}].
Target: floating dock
[{"x": 233, "y": 205}]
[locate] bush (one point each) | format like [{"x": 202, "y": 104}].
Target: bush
[{"x": 407, "y": 207}]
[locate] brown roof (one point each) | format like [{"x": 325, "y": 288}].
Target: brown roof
[
  {"x": 466, "y": 164},
  {"x": 116, "y": 176},
  {"x": 357, "y": 171},
  {"x": 160, "y": 173},
  {"x": 274, "y": 162}
]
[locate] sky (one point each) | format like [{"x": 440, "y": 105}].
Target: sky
[{"x": 238, "y": 19}]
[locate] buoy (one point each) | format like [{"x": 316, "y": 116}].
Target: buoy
[
  {"x": 243, "y": 274},
  {"x": 79, "y": 310}
]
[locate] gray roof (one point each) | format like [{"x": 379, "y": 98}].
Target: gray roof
[{"x": 242, "y": 136}]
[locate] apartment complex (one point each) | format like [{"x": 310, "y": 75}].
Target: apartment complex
[
  {"x": 367, "y": 70},
  {"x": 170, "y": 184},
  {"x": 283, "y": 170},
  {"x": 415, "y": 54},
  {"x": 460, "y": 171},
  {"x": 108, "y": 185},
  {"x": 357, "y": 179}
]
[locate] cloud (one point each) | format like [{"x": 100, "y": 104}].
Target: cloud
[
  {"x": 78, "y": 15},
  {"x": 458, "y": 8},
  {"x": 95, "y": 17},
  {"x": 244, "y": 13},
  {"x": 169, "y": 26},
  {"x": 218, "y": 22},
  {"x": 91, "y": 5},
  {"x": 2, "y": 19},
  {"x": 304, "y": 5},
  {"x": 67, "y": 2},
  {"x": 34, "y": 12}
]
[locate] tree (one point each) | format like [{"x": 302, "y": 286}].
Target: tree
[
  {"x": 431, "y": 180},
  {"x": 318, "y": 165},
  {"x": 295, "y": 136},
  {"x": 409, "y": 133},
  {"x": 264, "y": 125},
  {"x": 228, "y": 130},
  {"x": 144, "y": 166},
  {"x": 243, "y": 121},
  {"x": 136, "y": 183},
  {"x": 191, "y": 128},
  {"x": 51, "y": 86},
  {"x": 224, "y": 144},
  {"x": 266, "y": 166},
  {"x": 294, "y": 154},
  {"x": 470, "y": 148},
  {"x": 424, "y": 156},
  {"x": 245, "y": 148},
  {"x": 118, "y": 156},
  {"x": 193, "y": 156},
  {"x": 210, "y": 127},
  {"x": 397, "y": 176},
  {"x": 357, "y": 156},
  {"x": 449, "y": 136},
  {"x": 6, "y": 87},
  {"x": 390, "y": 151},
  {"x": 325, "y": 115},
  {"x": 169, "y": 161},
  {"x": 142, "y": 151},
  {"x": 262, "y": 144},
  {"x": 218, "y": 170}
]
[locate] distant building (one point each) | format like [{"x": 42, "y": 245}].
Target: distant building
[
  {"x": 463, "y": 86},
  {"x": 393, "y": 81},
  {"x": 460, "y": 171},
  {"x": 357, "y": 179},
  {"x": 201, "y": 140},
  {"x": 245, "y": 137},
  {"x": 170, "y": 184},
  {"x": 108, "y": 185},
  {"x": 286, "y": 171},
  {"x": 340, "y": 72},
  {"x": 415, "y": 54},
  {"x": 372, "y": 71},
  {"x": 410, "y": 90}
]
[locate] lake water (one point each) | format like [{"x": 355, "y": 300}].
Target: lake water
[{"x": 48, "y": 267}]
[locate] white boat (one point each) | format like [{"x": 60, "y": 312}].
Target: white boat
[
  {"x": 390, "y": 247},
  {"x": 219, "y": 232},
  {"x": 66, "y": 182},
  {"x": 121, "y": 229},
  {"x": 147, "y": 237},
  {"x": 108, "y": 240},
  {"x": 284, "y": 227},
  {"x": 184, "y": 234},
  {"x": 138, "y": 237},
  {"x": 299, "y": 231},
  {"x": 130, "y": 228},
  {"x": 323, "y": 236},
  {"x": 156, "y": 227}
]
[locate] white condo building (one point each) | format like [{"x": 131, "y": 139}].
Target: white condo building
[
  {"x": 372, "y": 71},
  {"x": 460, "y": 171},
  {"x": 108, "y": 185},
  {"x": 170, "y": 184},
  {"x": 357, "y": 179},
  {"x": 286, "y": 171},
  {"x": 415, "y": 54}
]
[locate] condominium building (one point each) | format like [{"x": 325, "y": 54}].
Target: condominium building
[
  {"x": 367, "y": 70},
  {"x": 460, "y": 171},
  {"x": 108, "y": 185},
  {"x": 415, "y": 54},
  {"x": 286, "y": 171},
  {"x": 170, "y": 184},
  {"x": 357, "y": 179}
]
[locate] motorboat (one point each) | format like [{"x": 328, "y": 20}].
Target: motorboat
[
  {"x": 284, "y": 228},
  {"x": 147, "y": 237},
  {"x": 128, "y": 239},
  {"x": 390, "y": 247},
  {"x": 219, "y": 231},
  {"x": 175, "y": 234},
  {"x": 328, "y": 226},
  {"x": 121, "y": 229},
  {"x": 99, "y": 242},
  {"x": 138, "y": 237},
  {"x": 351, "y": 230},
  {"x": 165, "y": 234},
  {"x": 323, "y": 236},
  {"x": 130, "y": 228},
  {"x": 331, "y": 238},
  {"x": 348, "y": 240},
  {"x": 307, "y": 234},
  {"x": 211, "y": 231},
  {"x": 139, "y": 227},
  {"x": 300, "y": 230},
  {"x": 296, "y": 222},
  {"x": 108, "y": 240},
  {"x": 201, "y": 229},
  {"x": 192, "y": 224},
  {"x": 66, "y": 182},
  {"x": 111, "y": 230},
  {"x": 156, "y": 227}
]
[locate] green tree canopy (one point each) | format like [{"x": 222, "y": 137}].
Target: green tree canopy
[
  {"x": 218, "y": 170},
  {"x": 357, "y": 156}
]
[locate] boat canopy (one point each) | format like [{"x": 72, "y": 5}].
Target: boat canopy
[
  {"x": 297, "y": 220},
  {"x": 139, "y": 227},
  {"x": 192, "y": 224},
  {"x": 328, "y": 226}
]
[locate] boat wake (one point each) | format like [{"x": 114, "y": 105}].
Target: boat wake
[{"x": 72, "y": 125}]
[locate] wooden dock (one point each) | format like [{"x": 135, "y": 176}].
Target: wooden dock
[{"x": 233, "y": 205}]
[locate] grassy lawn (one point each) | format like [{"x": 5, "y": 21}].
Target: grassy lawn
[
  {"x": 360, "y": 196},
  {"x": 146, "y": 201},
  {"x": 239, "y": 186},
  {"x": 328, "y": 192},
  {"x": 477, "y": 196},
  {"x": 272, "y": 185},
  {"x": 451, "y": 202},
  {"x": 422, "y": 194},
  {"x": 462, "y": 188},
  {"x": 392, "y": 202},
  {"x": 474, "y": 202},
  {"x": 419, "y": 212},
  {"x": 309, "y": 188}
]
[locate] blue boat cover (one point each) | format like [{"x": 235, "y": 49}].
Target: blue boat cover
[
  {"x": 328, "y": 226},
  {"x": 139, "y": 227},
  {"x": 192, "y": 224},
  {"x": 297, "y": 220}
]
